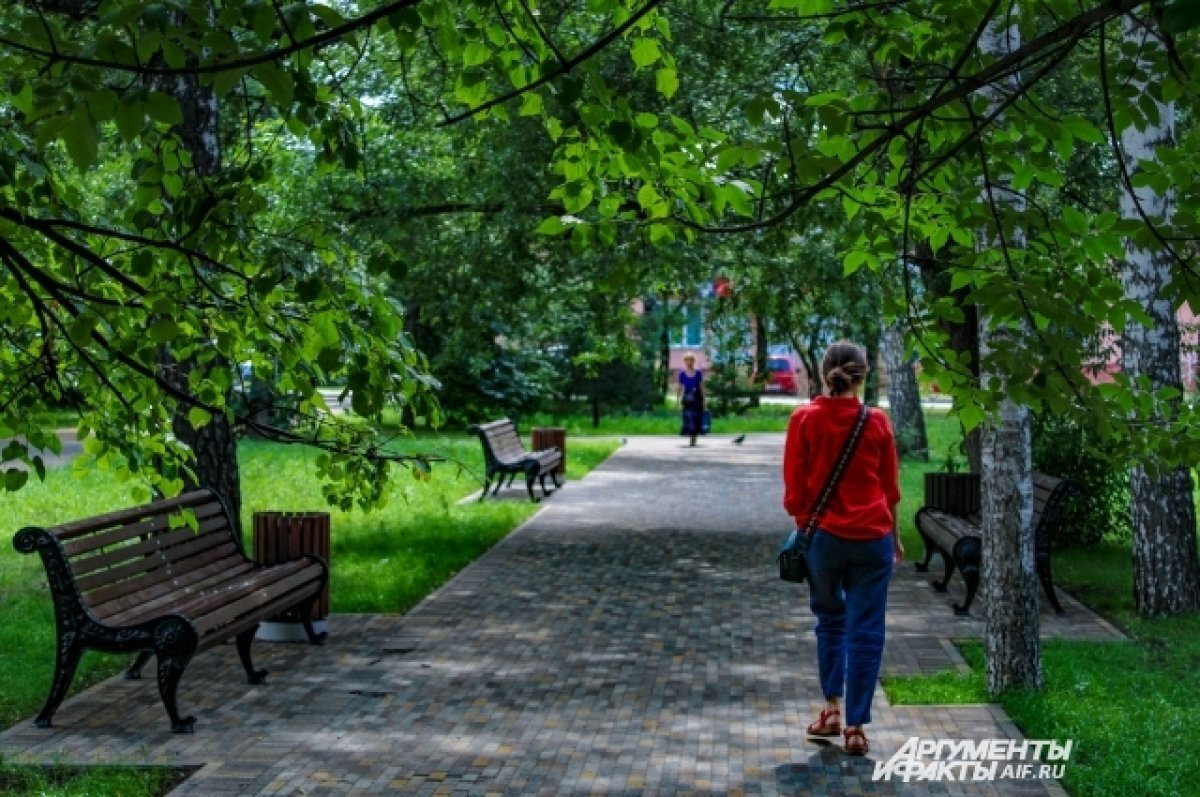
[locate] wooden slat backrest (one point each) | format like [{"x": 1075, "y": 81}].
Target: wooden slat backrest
[
  {"x": 1044, "y": 489},
  {"x": 502, "y": 440},
  {"x": 104, "y": 537},
  {"x": 69, "y": 531},
  {"x": 133, "y": 577},
  {"x": 139, "y": 550},
  {"x": 128, "y": 555}
]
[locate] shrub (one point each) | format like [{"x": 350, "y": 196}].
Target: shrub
[{"x": 1069, "y": 450}]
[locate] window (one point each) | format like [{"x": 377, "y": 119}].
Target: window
[{"x": 691, "y": 334}]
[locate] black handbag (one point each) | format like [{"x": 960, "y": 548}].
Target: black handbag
[{"x": 793, "y": 566}]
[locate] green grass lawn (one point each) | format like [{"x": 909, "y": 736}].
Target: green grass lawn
[
  {"x": 384, "y": 561},
  {"x": 1129, "y": 707},
  {"x": 663, "y": 420}
]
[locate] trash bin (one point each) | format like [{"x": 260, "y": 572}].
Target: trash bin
[
  {"x": 544, "y": 437},
  {"x": 279, "y": 537}
]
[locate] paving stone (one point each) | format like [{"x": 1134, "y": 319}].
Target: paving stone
[{"x": 630, "y": 639}]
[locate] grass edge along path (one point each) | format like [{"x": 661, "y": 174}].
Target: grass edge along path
[
  {"x": 1129, "y": 707},
  {"x": 385, "y": 561}
]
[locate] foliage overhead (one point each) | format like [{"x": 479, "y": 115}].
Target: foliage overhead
[{"x": 862, "y": 124}]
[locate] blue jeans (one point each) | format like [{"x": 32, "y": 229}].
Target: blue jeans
[{"x": 848, "y": 587}]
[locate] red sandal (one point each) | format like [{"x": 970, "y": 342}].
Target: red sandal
[
  {"x": 829, "y": 723},
  {"x": 856, "y": 742}
]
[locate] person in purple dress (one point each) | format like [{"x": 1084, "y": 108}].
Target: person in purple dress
[{"x": 691, "y": 398}]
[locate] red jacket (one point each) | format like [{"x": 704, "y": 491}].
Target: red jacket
[{"x": 863, "y": 505}]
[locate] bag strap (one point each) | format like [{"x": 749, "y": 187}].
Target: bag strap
[{"x": 839, "y": 469}]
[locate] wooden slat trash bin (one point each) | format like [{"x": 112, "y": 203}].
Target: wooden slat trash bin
[
  {"x": 544, "y": 437},
  {"x": 956, "y": 493},
  {"x": 282, "y": 536}
]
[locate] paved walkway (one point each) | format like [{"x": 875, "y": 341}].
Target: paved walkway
[{"x": 632, "y": 639}]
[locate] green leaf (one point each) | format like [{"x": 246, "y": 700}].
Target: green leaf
[
  {"x": 645, "y": 52},
  {"x": 277, "y": 81},
  {"x": 531, "y": 104},
  {"x": 727, "y": 158},
  {"x": 163, "y": 330},
  {"x": 854, "y": 261},
  {"x": 475, "y": 54},
  {"x": 648, "y": 197},
  {"x": 960, "y": 278},
  {"x": 15, "y": 478},
  {"x": 1076, "y": 222},
  {"x": 666, "y": 82},
  {"x": 198, "y": 417},
  {"x": 226, "y": 80},
  {"x": 79, "y": 134},
  {"x": 131, "y": 115},
  {"x": 162, "y": 107},
  {"x": 551, "y": 226},
  {"x": 970, "y": 415},
  {"x": 647, "y": 120}
]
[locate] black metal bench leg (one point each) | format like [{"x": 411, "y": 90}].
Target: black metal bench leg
[
  {"x": 306, "y": 620},
  {"x": 923, "y": 567},
  {"x": 967, "y": 554},
  {"x": 530, "y": 479},
  {"x": 65, "y": 662},
  {"x": 554, "y": 478},
  {"x": 500, "y": 483},
  {"x": 542, "y": 481},
  {"x": 970, "y": 575},
  {"x": 134, "y": 673},
  {"x": 940, "y": 586},
  {"x": 1047, "y": 579},
  {"x": 175, "y": 643},
  {"x": 487, "y": 485},
  {"x": 244, "y": 641}
]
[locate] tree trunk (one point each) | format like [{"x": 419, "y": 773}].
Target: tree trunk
[
  {"x": 871, "y": 383},
  {"x": 809, "y": 361},
  {"x": 1166, "y": 575},
  {"x": 1008, "y": 576},
  {"x": 904, "y": 398},
  {"x": 1008, "y": 579},
  {"x": 761, "y": 349},
  {"x": 963, "y": 336},
  {"x": 664, "y": 350},
  {"x": 214, "y": 444}
]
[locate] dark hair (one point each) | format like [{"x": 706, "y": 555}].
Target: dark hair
[{"x": 844, "y": 366}]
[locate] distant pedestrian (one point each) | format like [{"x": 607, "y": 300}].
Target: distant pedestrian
[
  {"x": 855, "y": 545},
  {"x": 691, "y": 399}
]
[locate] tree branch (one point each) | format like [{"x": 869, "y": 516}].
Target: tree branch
[{"x": 563, "y": 68}]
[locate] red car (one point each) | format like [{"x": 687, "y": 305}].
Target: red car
[{"x": 782, "y": 376}]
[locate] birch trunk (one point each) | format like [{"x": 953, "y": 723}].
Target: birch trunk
[
  {"x": 1166, "y": 576},
  {"x": 904, "y": 398},
  {"x": 1008, "y": 580}
]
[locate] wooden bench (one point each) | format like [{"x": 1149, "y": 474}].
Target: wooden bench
[
  {"x": 143, "y": 581},
  {"x": 957, "y": 539},
  {"x": 504, "y": 454}
]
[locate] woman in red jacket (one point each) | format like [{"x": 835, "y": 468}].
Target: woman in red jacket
[{"x": 852, "y": 552}]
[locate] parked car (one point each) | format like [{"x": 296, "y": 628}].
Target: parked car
[{"x": 782, "y": 376}]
